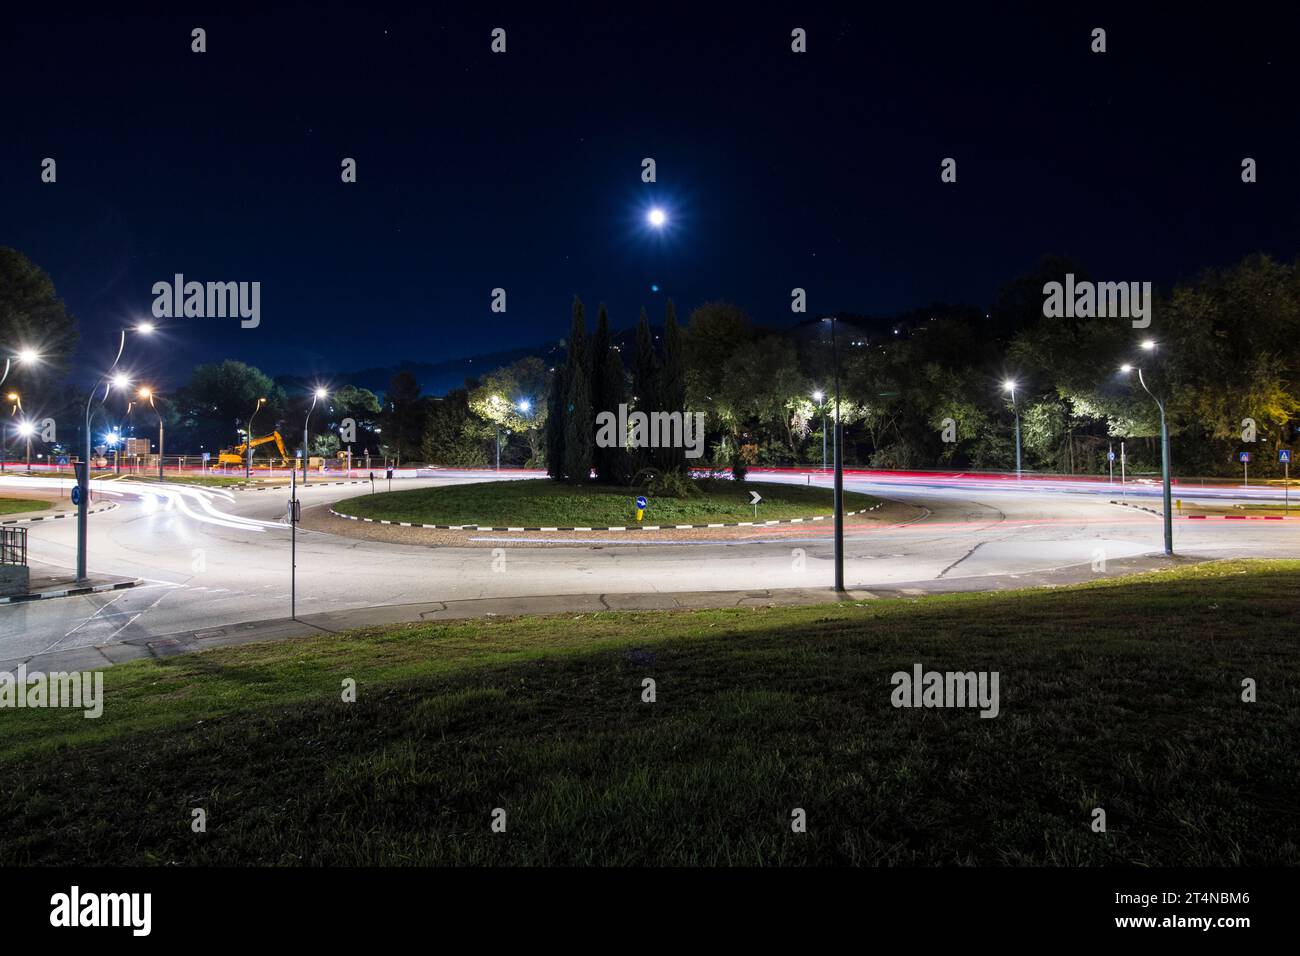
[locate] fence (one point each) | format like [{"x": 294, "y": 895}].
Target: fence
[{"x": 13, "y": 546}]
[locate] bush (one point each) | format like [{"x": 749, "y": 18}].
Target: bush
[{"x": 672, "y": 484}]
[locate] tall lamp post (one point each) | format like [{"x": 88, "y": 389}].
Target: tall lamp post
[
  {"x": 1010, "y": 386},
  {"x": 83, "y": 473},
  {"x": 248, "y": 452},
  {"x": 820, "y": 399},
  {"x": 1150, "y": 346},
  {"x": 4, "y": 435},
  {"x": 839, "y": 463},
  {"x": 26, "y": 430},
  {"x": 147, "y": 394},
  {"x": 316, "y": 396}
]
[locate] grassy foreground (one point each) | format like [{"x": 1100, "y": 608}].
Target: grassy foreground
[
  {"x": 1123, "y": 695},
  {"x": 14, "y": 506},
  {"x": 541, "y": 502}
]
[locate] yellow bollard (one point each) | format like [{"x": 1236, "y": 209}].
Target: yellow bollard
[
  {"x": 640, "y": 513},
  {"x": 1179, "y": 503}
]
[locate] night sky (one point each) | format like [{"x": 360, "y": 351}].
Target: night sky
[{"x": 522, "y": 170}]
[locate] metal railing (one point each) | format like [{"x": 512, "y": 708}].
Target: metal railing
[{"x": 13, "y": 546}]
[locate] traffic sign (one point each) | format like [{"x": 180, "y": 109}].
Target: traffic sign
[
  {"x": 641, "y": 502},
  {"x": 1243, "y": 456},
  {"x": 76, "y": 494},
  {"x": 754, "y": 497},
  {"x": 1283, "y": 456},
  {"x": 63, "y": 459},
  {"x": 1110, "y": 456}
]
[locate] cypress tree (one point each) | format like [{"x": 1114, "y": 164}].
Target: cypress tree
[
  {"x": 579, "y": 438},
  {"x": 617, "y": 463},
  {"x": 599, "y": 347},
  {"x": 672, "y": 386},
  {"x": 644, "y": 386}
]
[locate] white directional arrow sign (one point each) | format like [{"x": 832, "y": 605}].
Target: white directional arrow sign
[{"x": 755, "y": 497}]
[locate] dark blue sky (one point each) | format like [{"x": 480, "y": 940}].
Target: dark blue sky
[{"x": 523, "y": 170}]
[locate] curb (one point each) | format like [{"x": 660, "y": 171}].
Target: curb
[
  {"x": 69, "y": 592},
  {"x": 647, "y": 527},
  {"x": 1125, "y": 504},
  {"x": 62, "y": 514}
]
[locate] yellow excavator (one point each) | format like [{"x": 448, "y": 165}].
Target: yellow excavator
[{"x": 235, "y": 456}]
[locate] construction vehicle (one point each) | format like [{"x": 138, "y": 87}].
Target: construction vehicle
[{"x": 235, "y": 456}]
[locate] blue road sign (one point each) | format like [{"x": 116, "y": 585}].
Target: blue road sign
[
  {"x": 1110, "y": 456},
  {"x": 641, "y": 502},
  {"x": 1243, "y": 456},
  {"x": 63, "y": 459},
  {"x": 1283, "y": 456},
  {"x": 76, "y": 494}
]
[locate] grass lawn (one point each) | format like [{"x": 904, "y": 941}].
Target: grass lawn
[
  {"x": 541, "y": 502},
  {"x": 13, "y": 506},
  {"x": 1123, "y": 695}
]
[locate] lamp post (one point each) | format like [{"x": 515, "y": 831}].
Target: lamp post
[
  {"x": 1150, "y": 346},
  {"x": 839, "y": 463},
  {"x": 83, "y": 474},
  {"x": 819, "y": 398},
  {"x": 1010, "y": 386},
  {"x": 316, "y": 396},
  {"x": 248, "y": 456},
  {"x": 4, "y": 435},
  {"x": 148, "y": 395},
  {"x": 26, "y": 429}
]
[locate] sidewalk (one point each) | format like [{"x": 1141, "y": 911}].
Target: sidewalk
[{"x": 329, "y": 622}]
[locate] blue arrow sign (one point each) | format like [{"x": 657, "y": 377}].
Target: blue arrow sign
[
  {"x": 641, "y": 502},
  {"x": 76, "y": 494}
]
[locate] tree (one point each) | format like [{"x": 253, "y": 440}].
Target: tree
[
  {"x": 579, "y": 437},
  {"x": 32, "y": 316},
  {"x": 616, "y": 463},
  {"x": 403, "y": 416},
  {"x": 505, "y": 399},
  {"x": 213, "y": 409}
]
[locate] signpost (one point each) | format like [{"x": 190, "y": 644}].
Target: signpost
[
  {"x": 1121, "y": 469},
  {"x": 295, "y": 513},
  {"x": 1244, "y": 458},
  {"x": 754, "y": 499},
  {"x": 1284, "y": 456},
  {"x": 1110, "y": 466},
  {"x": 641, "y": 504}
]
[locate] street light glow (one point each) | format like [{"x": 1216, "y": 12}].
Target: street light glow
[
  {"x": 657, "y": 217},
  {"x": 1126, "y": 368},
  {"x": 1149, "y": 344},
  {"x": 121, "y": 381},
  {"x": 26, "y": 429},
  {"x": 144, "y": 328},
  {"x": 1009, "y": 385},
  {"x": 145, "y": 392},
  {"x": 320, "y": 393},
  {"x": 28, "y": 356},
  {"x": 525, "y": 405}
]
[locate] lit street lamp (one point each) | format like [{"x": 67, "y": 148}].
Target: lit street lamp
[
  {"x": 147, "y": 393},
  {"x": 120, "y": 381},
  {"x": 316, "y": 396},
  {"x": 1010, "y": 386},
  {"x": 1150, "y": 346},
  {"x": 26, "y": 430},
  {"x": 819, "y": 397},
  {"x": 4, "y": 436},
  {"x": 248, "y": 457}
]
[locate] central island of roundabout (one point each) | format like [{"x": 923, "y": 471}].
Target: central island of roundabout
[{"x": 535, "y": 509}]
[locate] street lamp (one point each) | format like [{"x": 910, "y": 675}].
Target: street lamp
[
  {"x": 818, "y": 396},
  {"x": 839, "y": 462},
  {"x": 1150, "y": 346},
  {"x": 1010, "y": 386},
  {"x": 316, "y": 397},
  {"x": 148, "y": 394},
  {"x": 26, "y": 430},
  {"x": 23, "y": 356},
  {"x": 83, "y": 478},
  {"x": 248, "y": 457},
  {"x": 4, "y": 436}
]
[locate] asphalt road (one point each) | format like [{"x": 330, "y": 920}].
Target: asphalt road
[{"x": 216, "y": 558}]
